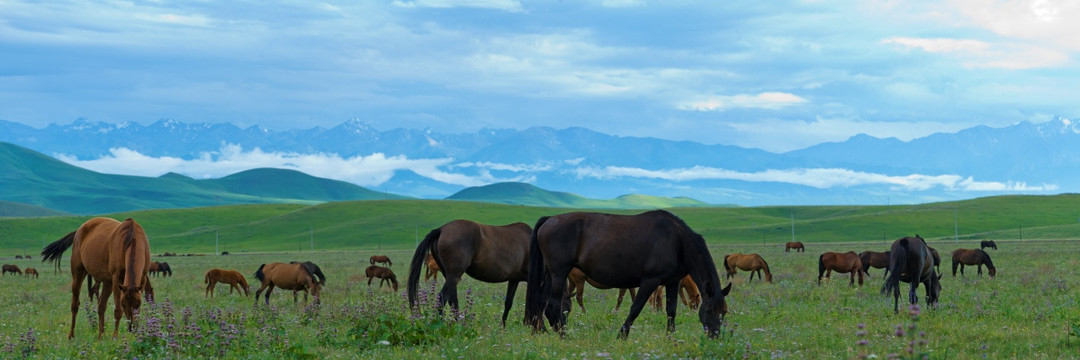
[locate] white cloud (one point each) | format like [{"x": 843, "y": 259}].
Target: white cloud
[
  {"x": 765, "y": 100},
  {"x": 508, "y": 5},
  {"x": 980, "y": 54}
]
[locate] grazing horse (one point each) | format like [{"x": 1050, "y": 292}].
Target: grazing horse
[
  {"x": 911, "y": 261},
  {"x": 842, "y": 263},
  {"x": 977, "y": 257},
  {"x": 18, "y": 257},
  {"x": 797, "y": 245},
  {"x": 747, "y": 262},
  {"x": 577, "y": 281},
  {"x": 487, "y": 253},
  {"x": 646, "y": 250},
  {"x": 383, "y": 273},
  {"x": 293, "y": 276},
  {"x": 8, "y": 268},
  {"x": 232, "y": 277},
  {"x": 874, "y": 259},
  {"x": 688, "y": 293},
  {"x": 432, "y": 268},
  {"x": 30, "y": 271},
  {"x": 381, "y": 259},
  {"x": 113, "y": 253},
  {"x": 160, "y": 267},
  {"x": 987, "y": 244}
]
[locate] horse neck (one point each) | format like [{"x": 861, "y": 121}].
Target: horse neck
[{"x": 135, "y": 264}]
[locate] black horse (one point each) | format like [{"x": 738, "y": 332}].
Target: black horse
[
  {"x": 623, "y": 251},
  {"x": 987, "y": 244},
  {"x": 911, "y": 261}
]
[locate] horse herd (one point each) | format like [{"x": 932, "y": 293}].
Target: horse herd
[{"x": 654, "y": 252}]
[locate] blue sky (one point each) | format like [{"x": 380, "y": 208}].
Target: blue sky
[{"x": 775, "y": 75}]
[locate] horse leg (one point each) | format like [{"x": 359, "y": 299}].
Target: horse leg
[
  {"x": 979, "y": 266},
  {"x": 511, "y": 290},
  {"x": 259, "y": 292},
  {"x": 581, "y": 294},
  {"x": 209, "y": 289},
  {"x": 912, "y": 296},
  {"x": 448, "y": 294},
  {"x": 644, "y": 292},
  {"x": 852, "y": 283},
  {"x": 77, "y": 276},
  {"x": 268, "y": 291},
  {"x": 672, "y": 302}
]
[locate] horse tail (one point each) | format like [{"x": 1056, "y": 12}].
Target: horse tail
[
  {"x": 206, "y": 278},
  {"x": 259, "y": 273},
  {"x": 534, "y": 293},
  {"x": 820, "y": 267},
  {"x": 430, "y": 240},
  {"x": 53, "y": 252},
  {"x": 726, "y": 266},
  {"x": 897, "y": 266}
]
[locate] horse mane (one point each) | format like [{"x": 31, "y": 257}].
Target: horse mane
[
  {"x": 127, "y": 232},
  {"x": 699, "y": 264},
  {"x": 986, "y": 259}
]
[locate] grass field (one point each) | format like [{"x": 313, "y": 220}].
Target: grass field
[{"x": 1029, "y": 311}]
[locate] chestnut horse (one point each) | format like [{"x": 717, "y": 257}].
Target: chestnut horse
[
  {"x": 987, "y": 244},
  {"x": 798, "y": 246},
  {"x": 977, "y": 257},
  {"x": 488, "y": 253},
  {"x": 432, "y": 268},
  {"x": 688, "y": 293},
  {"x": 115, "y": 254},
  {"x": 381, "y": 259},
  {"x": 30, "y": 271},
  {"x": 577, "y": 281},
  {"x": 294, "y": 276},
  {"x": 748, "y": 262},
  {"x": 8, "y": 268},
  {"x": 383, "y": 273},
  {"x": 624, "y": 251},
  {"x": 874, "y": 259},
  {"x": 232, "y": 277},
  {"x": 911, "y": 261},
  {"x": 842, "y": 263}
]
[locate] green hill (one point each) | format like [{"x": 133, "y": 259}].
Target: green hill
[
  {"x": 32, "y": 178},
  {"x": 14, "y": 209},
  {"x": 526, "y": 194},
  {"x": 398, "y": 224}
]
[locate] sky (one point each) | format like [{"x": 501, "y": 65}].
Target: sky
[{"x": 773, "y": 75}]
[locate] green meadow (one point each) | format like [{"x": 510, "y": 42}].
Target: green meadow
[{"x": 1028, "y": 311}]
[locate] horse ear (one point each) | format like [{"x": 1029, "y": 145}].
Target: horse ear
[{"x": 726, "y": 290}]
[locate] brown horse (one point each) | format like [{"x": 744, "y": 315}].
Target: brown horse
[
  {"x": 911, "y": 261},
  {"x": 381, "y": 259},
  {"x": 232, "y": 277},
  {"x": 383, "y": 273},
  {"x": 18, "y": 257},
  {"x": 977, "y": 257},
  {"x": 487, "y": 253},
  {"x": 432, "y": 268},
  {"x": 874, "y": 259},
  {"x": 688, "y": 293},
  {"x": 842, "y": 263},
  {"x": 797, "y": 245},
  {"x": 30, "y": 271},
  {"x": 624, "y": 251},
  {"x": 295, "y": 276},
  {"x": 577, "y": 281},
  {"x": 8, "y": 268},
  {"x": 987, "y": 244},
  {"x": 160, "y": 267},
  {"x": 115, "y": 254},
  {"x": 748, "y": 262}
]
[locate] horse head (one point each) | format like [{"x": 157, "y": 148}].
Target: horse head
[
  {"x": 713, "y": 309},
  {"x": 130, "y": 300},
  {"x": 935, "y": 289}
]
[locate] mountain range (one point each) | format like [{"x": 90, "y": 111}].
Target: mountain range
[{"x": 1025, "y": 158}]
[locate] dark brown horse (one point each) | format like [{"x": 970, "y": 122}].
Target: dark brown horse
[
  {"x": 842, "y": 263},
  {"x": 115, "y": 254},
  {"x": 9, "y": 268},
  {"x": 487, "y": 253},
  {"x": 911, "y": 261},
  {"x": 798, "y": 246},
  {"x": 747, "y": 262},
  {"x": 380, "y": 259},
  {"x": 577, "y": 280},
  {"x": 294, "y": 276},
  {"x": 234, "y": 278},
  {"x": 977, "y": 257},
  {"x": 30, "y": 271},
  {"x": 383, "y": 273},
  {"x": 432, "y": 268},
  {"x": 874, "y": 259},
  {"x": 646, "y": 251},
  {"x": 160, "y": 267},
  {"x": 987, "y": 244}
]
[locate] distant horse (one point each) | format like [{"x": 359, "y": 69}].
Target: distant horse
[
  {"x": 18, "y": 257},
  {"x": 842, "y": 263},
  {"x": 383, "y": 273},
  {"x": 624, "y": 251},
  {"x": 225, "y": 253},
  {"x": 577, "y": 280},
  {"x": 911, "y": 261},
  {"x": 28, "y": 257},
  {"x": 8, "y": 268},
  {"x": 977, "y": 257},
  {"x": 381, "y": 259},
  {"x": 487, "y": 253},
  {"x": 747, "y": 262},
  {"x": 160, "y": 267},
  {"x": 797, "y": 245},
  {"x": 294, "y": 277},
  {"x": 987, "y": 244},
  {"x": 874, "y": 259},
  {"x": 432, "y": 267},
  {"x": 234, "y": 278},
  {"x": 30, "y": 271},
  {"x": 115, "y": 254}
]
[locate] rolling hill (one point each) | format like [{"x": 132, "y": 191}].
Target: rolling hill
[{"x": 526, "y": 194}]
